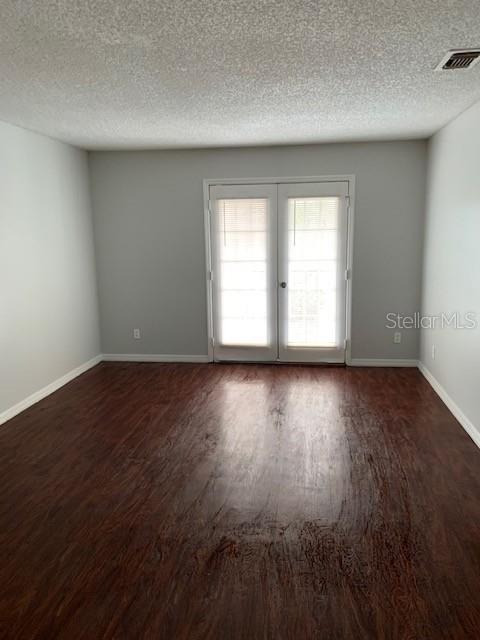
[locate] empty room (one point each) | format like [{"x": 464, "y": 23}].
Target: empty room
[{"x": 239, "y": 312}]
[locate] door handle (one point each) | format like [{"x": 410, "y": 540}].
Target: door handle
[{"x": 283, "y": 285}]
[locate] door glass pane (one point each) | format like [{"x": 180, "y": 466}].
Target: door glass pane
[
  {"x": 313, "y": 234},
  {"x": 242, "y": 270}
]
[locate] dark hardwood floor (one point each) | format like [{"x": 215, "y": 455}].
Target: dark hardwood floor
[{"x": 239, "y": 501}]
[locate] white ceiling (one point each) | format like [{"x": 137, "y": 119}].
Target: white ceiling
[{"x": 188, "y": 73}]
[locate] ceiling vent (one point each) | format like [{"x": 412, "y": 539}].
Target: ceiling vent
[{"x": 460, "y": 59}]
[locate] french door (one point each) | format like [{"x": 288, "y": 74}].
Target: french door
[{"x": 278, "y": 271}]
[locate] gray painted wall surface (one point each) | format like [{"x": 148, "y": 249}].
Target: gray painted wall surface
[
  {"x": 451, "y": 274},
  {"x": 149, "y": 234},
  {"x": 48, "y": 304}
]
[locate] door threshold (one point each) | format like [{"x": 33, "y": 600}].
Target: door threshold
[{"x": 282, "y": 362}]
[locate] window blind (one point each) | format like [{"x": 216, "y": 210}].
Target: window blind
[
  {"x": 313, "y": 229},
  {"x": 242, "y": 250}
]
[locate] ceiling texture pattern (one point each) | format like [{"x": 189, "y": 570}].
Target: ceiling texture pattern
[{"x": 186, "y": 73}]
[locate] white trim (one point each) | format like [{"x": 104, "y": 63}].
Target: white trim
[
  {"x": 49, "y": 389},
  {"x": 378, "y": 362},
  {"x": 349, "y": 286},
  {"x": 451, "y": 404},
  {"x": 280, "y": 180},
  {"x": 208, "y": 268},
  {"x": 152, "y": 357},
  {"x": 350, "y": 178}
]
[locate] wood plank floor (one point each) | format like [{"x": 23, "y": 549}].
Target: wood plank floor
[{"x": 239, "y": 502}]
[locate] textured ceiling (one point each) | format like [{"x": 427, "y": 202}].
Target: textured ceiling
[{"x": 186, "y": 73}]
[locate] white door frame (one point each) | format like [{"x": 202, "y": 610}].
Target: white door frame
[{"x": 349, "y": 178}]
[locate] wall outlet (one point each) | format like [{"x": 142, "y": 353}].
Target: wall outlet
[
  {"x": 136, "y": 334},
  {"x": 433, "y": 351},
  {"x": 397, "y": 337}
]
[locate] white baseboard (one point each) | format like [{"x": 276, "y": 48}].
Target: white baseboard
[
  {"x": 451, "y": 404},
  {"x": 152, "y": 357},
  {"x": 376, "y": 362},
  {"x": 129, "y": 357},
  {"x": 46, "y": 391}
]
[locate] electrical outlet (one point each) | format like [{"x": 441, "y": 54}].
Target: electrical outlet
[
  {"x": 433, "y": 352},
  {"x": 397, "y": 337},
  {"x": 136, "y": 334}
]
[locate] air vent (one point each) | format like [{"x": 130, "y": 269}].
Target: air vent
[{"x": 460, "y": 59}]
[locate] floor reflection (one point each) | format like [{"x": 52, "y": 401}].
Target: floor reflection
[{"x": 282, "y": 450}]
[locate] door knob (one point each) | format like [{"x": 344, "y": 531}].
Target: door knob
[{"x": 283, "y": 285}]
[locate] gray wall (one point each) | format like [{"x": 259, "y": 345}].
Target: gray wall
[
  {"x": 148, "y": 216},
  {"x": 451, "y": 274},
  {"x": 48, "y": 305}
]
